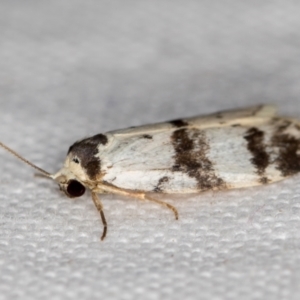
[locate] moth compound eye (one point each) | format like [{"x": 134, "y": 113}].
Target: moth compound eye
[{"x": 75, "y": 188}]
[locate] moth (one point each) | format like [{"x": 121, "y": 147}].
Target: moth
[{"x": 225, "y": 150}]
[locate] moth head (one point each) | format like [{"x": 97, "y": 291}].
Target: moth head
[
  {"x": 81, "y": 167},
  {"x": 71, "y": 177}
]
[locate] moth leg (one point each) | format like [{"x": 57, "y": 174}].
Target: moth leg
[
  {"x": 145, "y": 197},
  {"x": 139, "y": 195},
  {"x": 99, "y": 207}
]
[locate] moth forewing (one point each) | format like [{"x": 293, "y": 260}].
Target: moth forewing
[
  {"x": 222, "y": 118},
  {"x": 224, "y": 150}
]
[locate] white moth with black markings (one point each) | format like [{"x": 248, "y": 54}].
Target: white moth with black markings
[{"x": 225, "y": 150}]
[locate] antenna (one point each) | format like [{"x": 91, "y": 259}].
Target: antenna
[{"x": 25, "y": 160}]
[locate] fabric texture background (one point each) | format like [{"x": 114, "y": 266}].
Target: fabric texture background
[{"x": 71, "y": 69}]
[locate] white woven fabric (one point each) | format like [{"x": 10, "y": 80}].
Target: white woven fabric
[{"x": 74, "y": 68}]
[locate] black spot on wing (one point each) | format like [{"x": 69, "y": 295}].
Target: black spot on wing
[
  {"x": 76, "y": 160},
  {"x": 99, "y": 139},
  {"x": 191, "y": 158},
  {"x": 147, "y": 136},
  {"x": 288, "y": 159},
  {"x": 179, "y": 123},
  {"x": 283, "y": 125},
  {"x": 159, "y": 186},
  {"x": 85, "y": 150},
  {"x": 264, "y": 180},
  {"x": 260, "y": 157}
]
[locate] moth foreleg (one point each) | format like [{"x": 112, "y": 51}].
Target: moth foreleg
[{"x": 99, "y": 207}]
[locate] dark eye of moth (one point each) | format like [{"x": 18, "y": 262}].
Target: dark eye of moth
[
  {"x": 75, "y": 188},
  {"x": 76, "y": 160}
]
